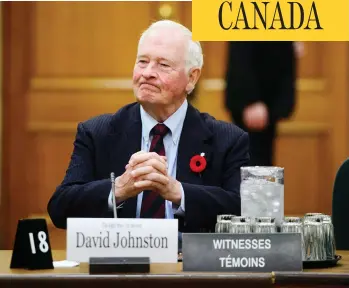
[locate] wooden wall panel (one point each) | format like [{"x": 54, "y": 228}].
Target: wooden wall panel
[
  {"x": 73, "y": 106},
  {"x": 48, "y": 160},
  {"x": 215, "y": 54},
  {"x": 336, "y": 62},
  {"x": 16, "y": 71},
  {"x": 311, "y": 63},
  {"x": 88, "y": 38},
  {"x": 326, "y": 172},
  {"x": 294, "y": 152}
]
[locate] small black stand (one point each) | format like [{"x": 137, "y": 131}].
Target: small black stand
[
  {"x": 110, "y": 265},
  {"x": 32, "y": 249}
]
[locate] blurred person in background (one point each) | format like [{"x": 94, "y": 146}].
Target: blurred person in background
[{"x": 260, "y": 91}]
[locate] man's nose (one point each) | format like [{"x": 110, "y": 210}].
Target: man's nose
[{"x": 149, "y": 71}]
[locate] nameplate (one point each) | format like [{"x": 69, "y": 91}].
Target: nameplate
[
  {"x": 110, "y": 237},
  {"x": 242, "y": 252}
]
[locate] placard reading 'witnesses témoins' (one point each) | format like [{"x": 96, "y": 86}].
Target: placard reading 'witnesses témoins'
[{"x": 242, "y": 252}]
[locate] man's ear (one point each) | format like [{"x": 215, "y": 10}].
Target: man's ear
[{"x": 194, "y": 75}]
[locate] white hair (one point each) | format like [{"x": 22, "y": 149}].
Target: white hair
[{"x": 194, "y": 58}]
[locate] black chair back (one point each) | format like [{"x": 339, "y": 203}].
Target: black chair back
[{"x": 340, "y": 207}]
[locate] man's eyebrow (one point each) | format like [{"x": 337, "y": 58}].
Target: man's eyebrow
[
  {"x": 166, "y": 59},
  {"x": 171, "y": 61}
]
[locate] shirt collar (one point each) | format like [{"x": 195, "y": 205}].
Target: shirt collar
[{"x": 174, "y": 122}]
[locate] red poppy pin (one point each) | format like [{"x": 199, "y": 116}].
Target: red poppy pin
[{"x": 198, "y": 163}]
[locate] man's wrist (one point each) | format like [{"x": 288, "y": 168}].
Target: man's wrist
[
  {"x": 119, "y": 195},
  {"x": 177, "y": 197}
]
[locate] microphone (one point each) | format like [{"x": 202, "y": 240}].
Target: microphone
[{"x": 112, "y": 178}]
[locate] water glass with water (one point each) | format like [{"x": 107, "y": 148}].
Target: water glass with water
[{"x": 262, "y": 192}]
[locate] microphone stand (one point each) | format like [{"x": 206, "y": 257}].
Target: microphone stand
[{"x": 112, "y": 178}]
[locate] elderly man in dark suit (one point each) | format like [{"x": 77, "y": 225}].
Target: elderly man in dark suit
[{"x": 150, "y": 146}]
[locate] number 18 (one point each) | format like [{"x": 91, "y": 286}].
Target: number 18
[{"x": 43, "y": 246}]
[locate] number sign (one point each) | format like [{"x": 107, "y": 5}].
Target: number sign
[{"x": 32, "y": 248}]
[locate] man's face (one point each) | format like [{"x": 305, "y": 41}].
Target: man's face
[{"x": 159, "y": 75}]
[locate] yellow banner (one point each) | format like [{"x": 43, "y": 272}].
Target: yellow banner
[{"x": 244, "y": 20}]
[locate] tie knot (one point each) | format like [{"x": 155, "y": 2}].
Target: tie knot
[{"x": 160, "y": 129}]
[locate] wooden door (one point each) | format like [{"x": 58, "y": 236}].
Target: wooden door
[{"x": 68, "y": 61}]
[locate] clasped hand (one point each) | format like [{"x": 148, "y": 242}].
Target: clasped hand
[{"x": 147, "y": 171}]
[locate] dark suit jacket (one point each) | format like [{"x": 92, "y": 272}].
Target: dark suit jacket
[
  {"x": 105, "y": 143},
  {"x": 261, "y": 71}
]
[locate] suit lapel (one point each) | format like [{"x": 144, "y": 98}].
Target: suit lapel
[
  {"x": 125, "y": 140},
  {"x": 195, "y": 139}
]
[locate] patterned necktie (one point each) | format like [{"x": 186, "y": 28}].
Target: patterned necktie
[{"x": 153, "y": 205}]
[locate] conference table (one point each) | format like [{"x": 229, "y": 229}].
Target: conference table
[{"x": 169, "y": 276}]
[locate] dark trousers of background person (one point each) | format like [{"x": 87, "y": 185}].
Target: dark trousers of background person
[{"x": 262, "y": 144}]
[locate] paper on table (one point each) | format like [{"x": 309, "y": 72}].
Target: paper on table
[{"x": 64, "y": 264}]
